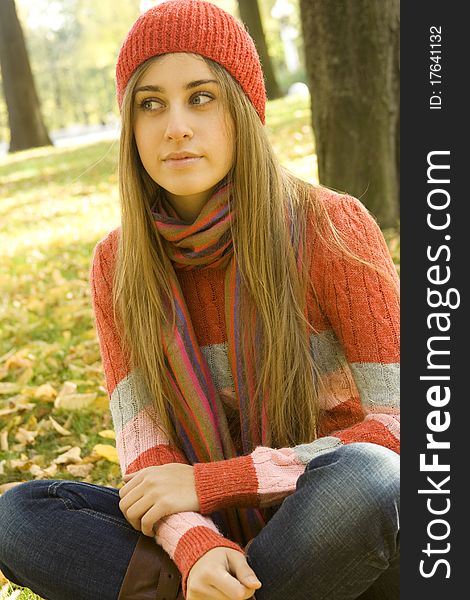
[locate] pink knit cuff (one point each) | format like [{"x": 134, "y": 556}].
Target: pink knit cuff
[
  {"x": 193, "y": 545},
  {"x": 226, "y": 484}
]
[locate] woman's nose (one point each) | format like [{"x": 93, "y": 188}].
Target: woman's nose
[{"x": 178, "y": 126}]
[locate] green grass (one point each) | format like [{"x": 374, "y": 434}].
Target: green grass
[
  {"x": 54, "y": 205},
  {"x": 7, "y": 591}
]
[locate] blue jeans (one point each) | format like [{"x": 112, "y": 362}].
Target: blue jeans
[{"x": 335, "y": 538}]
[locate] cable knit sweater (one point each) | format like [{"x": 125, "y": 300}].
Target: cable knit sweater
[{"x": 355, "y": 315}]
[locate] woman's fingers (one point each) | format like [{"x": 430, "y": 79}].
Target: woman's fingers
[
  {"x": 243, "y": 572},
  {"x": 150, "y": 518},
  {"x": 130, "y": 498},
  {"x": 231, "y": 587},
  {"x": 224, "y": 570},
  {"x": 135, "y": 512}
]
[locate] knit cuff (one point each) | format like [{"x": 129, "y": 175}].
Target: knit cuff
[
  {"x": 226, "y": 484},
  {"x": 193, "y": 545}
]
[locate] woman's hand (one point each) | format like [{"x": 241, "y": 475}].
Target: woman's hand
[
  {"x": 221, "y": 574},
  {"x": 155, "y": 492}
]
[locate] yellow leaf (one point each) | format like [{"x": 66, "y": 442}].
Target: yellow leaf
[
  {"x": 63, "y": 448},
  {"x": 6, "y": 486},
  {"x": 71, "y": 456},
  {"x": 90, "y": 335},
  {"x": 26, "y": 376},
  {"x": 58, "y": 427},
  {"x": 20, "y": 464},
  {"x": 51, "y": 471},
  {"x": 101, "y": 402},
  {"x": 39, "y": 460},
  {"x": 8, "y": 388},
  {"x": 91, "y": 356},
  {"x": 17, "y": 361},
  {"x": 8, "y": 411},
  {"x": 74, "y": 401},
  {"x": 24, "y": 436},
  {"x": 108, "y": 434},
  {"x": 106, "y": 451},
  {"x": 32, "y": 422},
  {"x": 80, "y": 470},
  {"x": 36, "y": 471},
  {"x": 4, "y": 441},
  {"x": 45, "y": 391},
  {"x": 68, "y": 387}
]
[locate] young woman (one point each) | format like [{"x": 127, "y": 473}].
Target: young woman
[{"x": 248, "y": 325}]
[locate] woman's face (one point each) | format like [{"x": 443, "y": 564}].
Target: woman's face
[{"x": 179, "y": 112}]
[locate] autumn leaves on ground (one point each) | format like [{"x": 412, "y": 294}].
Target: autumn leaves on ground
[{"x": 54, "y": 205}]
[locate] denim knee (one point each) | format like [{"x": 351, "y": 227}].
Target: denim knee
[
  {"x": 16, "y": 506},
  {"x": 360, "y": 479},
  {"x": 375, "y": 467}
]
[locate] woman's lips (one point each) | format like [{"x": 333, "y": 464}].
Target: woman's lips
[{"x": 181, "y": 163}]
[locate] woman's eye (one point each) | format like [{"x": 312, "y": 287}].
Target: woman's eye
[
  {"x": 150, "y": 104},
  {"x": 201, "y": 98}
]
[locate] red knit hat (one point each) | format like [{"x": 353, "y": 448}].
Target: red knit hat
[{"x": 199, "y": 27}]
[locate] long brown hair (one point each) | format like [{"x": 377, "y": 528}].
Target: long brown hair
[{"x": 275, "y": 289}]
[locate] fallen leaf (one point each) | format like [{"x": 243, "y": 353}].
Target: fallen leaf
[
  {"x": 6, "y": 486},
  {"x": 4, "y": 441},
  {"x": 75, "y": 401},
  {"x": 80, "y": 470},
  {"x": 13, "y": 350},
  {"x": 109, "y": 434},
  {"x": 8, "y": 388},
  {"x": 51, "y": 471},
  {"x": 58, "y": 427},
  {"x": 26, "y": 376},
  {"x": 63, "y": 448},
  {"x": 46, "y": 391},
  {"x": 91, "y": 356},
  {"x": 20, "y": 464},
  {"x": 102, "y": 402},
  {"x": 36, "y": 471},
  {"x": 17, "y": 361},
  {"x": 19, "y": 447},
  {"x": 16, "y": 406},
  {"x": 24, "y": 436},
  {"x": 39, "y": 460},
  {"x": 106, "y": 451},
  {"x": 71, "y": 456},
  {"x": 8, "y": 411},
  {"x": 68, "y": 387}
]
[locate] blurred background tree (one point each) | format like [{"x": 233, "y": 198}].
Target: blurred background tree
[
  {"x": 352, "y": 60},
  {"x": 72, "y": 45},
  {"x": 250, "y": 15},
  {"x": 24, "y": 113},
  {"x": 351, "y": 53}
]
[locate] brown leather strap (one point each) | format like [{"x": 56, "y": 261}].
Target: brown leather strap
[
  {"x": 151, "y": 574},
  {"x": 169, "y": 582}
]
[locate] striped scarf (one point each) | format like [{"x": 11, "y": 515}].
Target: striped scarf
[{"x": 199, "y": 415}]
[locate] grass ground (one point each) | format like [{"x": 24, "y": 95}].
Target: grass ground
[{"x": 54, "y": 206}]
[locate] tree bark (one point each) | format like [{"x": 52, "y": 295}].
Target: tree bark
[
  {"x": 27, "y": 129},
  {"x": 352, "y": 63},
  {"x": 251, "y": 17}
]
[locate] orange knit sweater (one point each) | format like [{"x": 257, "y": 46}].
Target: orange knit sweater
[{"x": 356, "y": 347}]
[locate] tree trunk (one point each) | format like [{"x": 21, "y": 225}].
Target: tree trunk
[
  {"x": 251, "y": 17},
  {"x": 27, "y": 128},
  {"x": 352, "y": 62}
]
